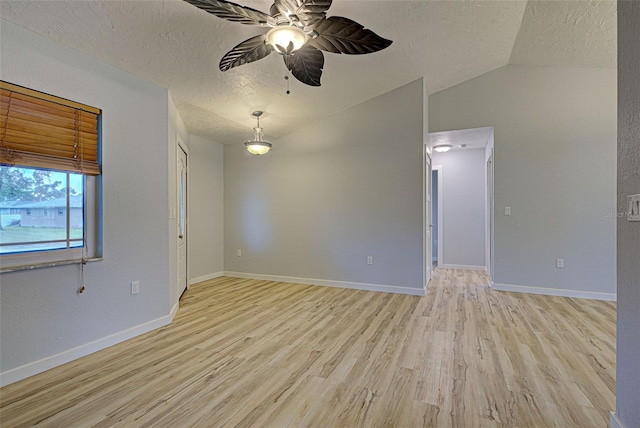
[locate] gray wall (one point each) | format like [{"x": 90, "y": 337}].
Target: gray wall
[
  {"x": 206, "y": 212},
  {"x": 628, "y": 334},
  {"x": 555, "y": 163},
  {"x": 332, "y": 193},
  {"x": 42, "y": 314},
  {"x": 463, "y": 208}
]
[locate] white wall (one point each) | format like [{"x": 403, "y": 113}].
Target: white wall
[
  {"x": 628, "y": 327},
  {"x": 45, "y": 322},
  {"x": 463, "y": 208},
  {"x": 555, "y": 163},
  {"x": 332, "y": 193},
  {"x": 206, "y": 212}
]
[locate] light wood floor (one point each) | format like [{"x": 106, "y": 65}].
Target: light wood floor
[{"x": 265, "y": 354}]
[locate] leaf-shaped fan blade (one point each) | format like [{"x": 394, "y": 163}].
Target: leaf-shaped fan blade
[
  {"x": 287, "y": 6},
  {"x": 342, "y": 35},
  {"x": 306, "y": 65},
  {"x": 234, "y": 12},
  {"x": 250, "y": 50},
  {"x": 307, "y": 11}
]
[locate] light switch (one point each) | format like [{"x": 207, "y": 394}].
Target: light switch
[{"x": 507, "y": 210}]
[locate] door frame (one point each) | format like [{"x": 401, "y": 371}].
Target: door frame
[
  {"x": 489, "y": 248},
  {"x": 426, "y": 218},
  {"x": 438, "y": 169},
  {"x": 181, "y": 146}
]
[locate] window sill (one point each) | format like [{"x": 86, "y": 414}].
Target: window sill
[{"x": 47, "y": 264}]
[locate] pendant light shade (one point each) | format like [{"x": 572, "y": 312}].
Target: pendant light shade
[{"x": 257, "y": 146}]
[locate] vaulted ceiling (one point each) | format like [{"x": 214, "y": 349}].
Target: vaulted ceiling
[{"x": 178, "y": 46}]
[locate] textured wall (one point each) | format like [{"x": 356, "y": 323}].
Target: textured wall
[
  {"x": 555, "y": 162},
  {"x": 463, "y": 206},
  {"x": 42, "y": 314},
  {"x": 628, "y": 347},
  {"x": 206, "y": 212},
  {"x": 332, "y": 193}
]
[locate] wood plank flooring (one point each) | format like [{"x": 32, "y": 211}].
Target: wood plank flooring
[{"x": 248, "y": 353}]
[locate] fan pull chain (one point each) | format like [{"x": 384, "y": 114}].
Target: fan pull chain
[
  {"x": 83, "y": 263},
  {"x": 287, "y": 79}
]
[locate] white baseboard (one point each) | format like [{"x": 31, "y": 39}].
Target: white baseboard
[
  {"x": 578, "y": 294},
  {"x": 614, "y": 422},
  {"x": 329, "y": 283},
  {"x": 205, "y": 277},
  {"x": 463, "y": 267},
  {"x": 174, "y": 310},
  {"x": 30, "y": 369}
]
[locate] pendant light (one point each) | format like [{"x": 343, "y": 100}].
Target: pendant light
[{"x": 257, "y": 146}]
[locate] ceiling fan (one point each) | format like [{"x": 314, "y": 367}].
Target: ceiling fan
[{"x": 300, "y": 31}]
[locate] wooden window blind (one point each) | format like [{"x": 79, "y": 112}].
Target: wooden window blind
[{"x": 43, "y": 131}]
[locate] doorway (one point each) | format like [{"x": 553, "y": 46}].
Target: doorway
[{"x": 463, "y": 200}]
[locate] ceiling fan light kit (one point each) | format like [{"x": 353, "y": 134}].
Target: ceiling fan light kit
[
  {"x": 284, "y": 36},
  {"x": 300, "y": 31}
]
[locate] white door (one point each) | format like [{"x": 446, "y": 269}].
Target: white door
[
  {"x": 428, "y": 220},
  {"x": 182, "y": 219}
]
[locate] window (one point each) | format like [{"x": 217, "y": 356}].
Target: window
[
  {"x": 49, "y": 179},
  {"x": 36, "y": 192}
]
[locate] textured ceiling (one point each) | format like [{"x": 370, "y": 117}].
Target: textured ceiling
[
  {"x": 468, "y": 139},
  {"x": 178, "y": 46},
  {"x": 568, "y": 33}
]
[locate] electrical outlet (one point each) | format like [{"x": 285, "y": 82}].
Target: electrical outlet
[
  {"x": 507, "y": 210},
  {"x": 135, "y": 287},
  {"x": 239, "y": 252},
  {"x": 559, "y": 263},
  {"x": 369, "y": 260}
]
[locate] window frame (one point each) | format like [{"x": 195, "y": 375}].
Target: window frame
[{"x": 92, "y": 225}]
